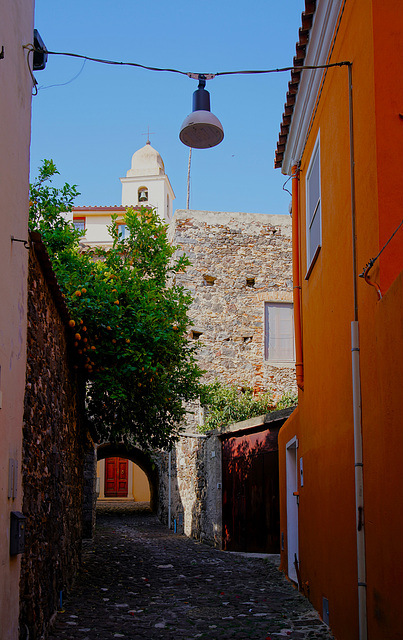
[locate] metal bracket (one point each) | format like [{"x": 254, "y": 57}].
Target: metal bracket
[
  {"x": 2, "y": 52},
  {"x": 27, "y": 243},
  {"x": 206, "y": 76}
]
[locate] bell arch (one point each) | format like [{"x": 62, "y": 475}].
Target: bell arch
[{"x": 139, "y": 457}]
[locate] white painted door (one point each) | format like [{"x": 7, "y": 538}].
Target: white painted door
[{"x": 292, "y": 507}]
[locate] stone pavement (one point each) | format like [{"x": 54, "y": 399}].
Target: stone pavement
[{"x": 141, "y": 581}]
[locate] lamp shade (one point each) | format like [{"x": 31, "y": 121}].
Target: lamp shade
[{"x": 201, "y": 129}]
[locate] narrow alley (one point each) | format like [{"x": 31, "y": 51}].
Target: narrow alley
[{"x": 139, "y": 580}]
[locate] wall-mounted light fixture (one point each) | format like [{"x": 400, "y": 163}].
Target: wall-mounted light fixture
[
  {"x": 40, "y": 52},
  {"x": 201, "y": 129}
]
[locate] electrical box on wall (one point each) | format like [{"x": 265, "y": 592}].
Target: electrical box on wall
[{"x": 17, "y": 533}]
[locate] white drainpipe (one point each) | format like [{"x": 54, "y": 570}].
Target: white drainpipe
[
  {"x": 355, "y": 354},
  {"x": 359, "y": 486}
]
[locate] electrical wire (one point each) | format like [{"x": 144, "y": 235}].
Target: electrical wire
[
  {"x": 63, "y": 84},
  {"x": 110, "y": 62},
  {"x": 30, "y": 49},
  {"x": 373, "y": 260},
  {"x": 284, "y": 185},
  {"x": 185, "y": 73}
]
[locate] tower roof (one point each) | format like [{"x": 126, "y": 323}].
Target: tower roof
[{"x": 146, "y": 162}]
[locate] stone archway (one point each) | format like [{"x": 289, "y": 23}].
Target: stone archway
[{"x": 139, "y": 457}]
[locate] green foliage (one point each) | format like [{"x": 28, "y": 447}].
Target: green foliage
[
  {"x": 288, "y": 399},
  {"x": 46, "y": 205},
  {"x": 129, "y": 319},
  {"x": 225, "y": 405}
]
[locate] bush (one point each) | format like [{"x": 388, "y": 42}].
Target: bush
[{"x": 225, "y": 405}]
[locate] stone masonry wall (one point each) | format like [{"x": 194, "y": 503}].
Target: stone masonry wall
[
  {"x": 239, "y": 262},
  {"x": 197, "y": 478},
  {"x": 54, "y": 448}
]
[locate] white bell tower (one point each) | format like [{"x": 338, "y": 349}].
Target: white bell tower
[{"x": 147, "y": 184}]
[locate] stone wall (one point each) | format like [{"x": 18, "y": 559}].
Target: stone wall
[
  {"x": 54, "y": 448},
  {"x": 196, "y": 478},
  {"x": 239, "y": 262}
]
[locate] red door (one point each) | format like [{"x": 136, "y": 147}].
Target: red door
[
  {"x": 116, "y": 477},
  {"x": 250, "y": 510}
]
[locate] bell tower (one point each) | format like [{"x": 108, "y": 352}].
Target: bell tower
[{"x": 147, "y": 184}]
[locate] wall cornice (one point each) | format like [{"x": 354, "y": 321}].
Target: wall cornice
[{"x": 321, "y": 36}]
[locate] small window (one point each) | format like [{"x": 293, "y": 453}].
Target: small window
[
  {"x": 250, "y": 282},
  {"x": 209, "y": 280},
  {"x": 279, "y": 332},
  {"x": 143, "y": 194},
  {"x": 79, "y": 224},
  {"x": 313, "y": 208},
  {"x": 123, "y": 231},
  {"x": 195, "y": 335}
]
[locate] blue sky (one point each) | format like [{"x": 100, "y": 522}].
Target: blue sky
[{"x": 92, "y": 126}]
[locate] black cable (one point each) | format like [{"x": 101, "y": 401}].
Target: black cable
[
  {"x": 189, "y": 74},
  {"x": 113, "y": 62},
  {"x": 373, "y": 260}
]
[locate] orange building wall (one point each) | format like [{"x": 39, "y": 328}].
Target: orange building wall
[
  {"x": 323, "y": 422},
  {"x": 383, "y": 442},
  {"x": 388, "y": 52}
]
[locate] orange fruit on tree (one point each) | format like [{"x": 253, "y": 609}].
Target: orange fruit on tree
[
  {"x": 77, "y": 336},
  {"x": 72, "y": 323},
  {"x": 77, "y": 293}
]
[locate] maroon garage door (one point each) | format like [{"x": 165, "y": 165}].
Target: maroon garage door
[{"x": 251, "y": 517}]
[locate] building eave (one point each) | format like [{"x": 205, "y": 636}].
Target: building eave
[{"x": 318, "y": 25}]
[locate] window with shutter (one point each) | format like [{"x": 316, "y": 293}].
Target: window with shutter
[
  {"x": 313, "y": 208},
  {"x": 123, "y": 231},
  {"x": 279, "y": 332},
  {"x": 79, "y": 223}
]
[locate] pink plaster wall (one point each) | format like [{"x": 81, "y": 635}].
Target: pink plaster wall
[{"x": 16, "y": 29}]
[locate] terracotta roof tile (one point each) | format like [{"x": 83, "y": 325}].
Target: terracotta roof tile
[
  {"x": 293, "y": 85},
  {"x": 117, "y": 208}
]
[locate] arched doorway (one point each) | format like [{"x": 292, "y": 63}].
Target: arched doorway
[{"x": 119, "y": 454}]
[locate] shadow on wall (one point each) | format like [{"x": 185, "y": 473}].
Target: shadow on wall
[
  {"x": 201, "y": 481},
  {"x": 172, "y": 511},
  {"x": 251, "y": 514},
  {"x": 138, "y": 457}
]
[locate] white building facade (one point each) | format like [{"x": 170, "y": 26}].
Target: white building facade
[{"x": 146, "y": 184}]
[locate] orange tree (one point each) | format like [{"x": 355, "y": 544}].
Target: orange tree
[{"x": 128, "y": 319}]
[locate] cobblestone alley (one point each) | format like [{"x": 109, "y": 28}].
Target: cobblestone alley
[{"x": 139, "y": 580}]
